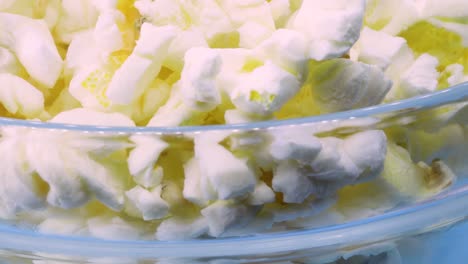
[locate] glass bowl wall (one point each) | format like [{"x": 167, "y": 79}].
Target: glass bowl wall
[{"x": 430, "y": 230}]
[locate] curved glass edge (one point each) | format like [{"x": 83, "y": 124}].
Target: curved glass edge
[
  {"x": 430, "y": 215},
  {"x": 454, "y": 94}
]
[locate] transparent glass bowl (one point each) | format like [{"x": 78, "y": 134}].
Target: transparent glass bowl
[{"x": 426, "y": 231}]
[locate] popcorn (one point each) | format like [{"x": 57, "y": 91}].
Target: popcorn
[
  {"x": 142, "y": 158},
  {"x": 174, "y": 112},
  {"x": 107, "y": 34},
  {"x": 20, "y": 97},
  {"x": 252, "y": 33},
  {"x": 63, "y": 224},
  {"x": 148, "y": 203},
  {"x": 289, "y": 180},
  {"x": 287, "y": 49},
  {"x": 281, "y": 11},
  {"x": 341, "y": 84},
  {"x": 198, "y": 84},
  {"x": 20, "y": 192},
  {"x": 180, "y": 229},
  {"x": 369, "y": 50},
  {"x": 41, "y": 60},
  {"x": 183, "y": 42},
  {"x": 421, "y": 78},
  {"x": 229, "y": 176},
  {"x": 223, "y": 216},
  {"x": 177, "y": 63},
  {"x": 84, "y": 116},
  {"x": 265, "y": 90},
  {"x": 76, "y": 16},
  {"x": 456, "y": 74},
  {"x": 255, "y": 11},
  {"x": 135, "y": 75},
  {"x": 369, "y": 158},
  {"x": 294, "y": 145},
  {"x": 387, "y": 15},
  {"x": 113, "y": 228},
  {"x": 262, "y": 194},
  {"x": 331, "y": 27},
  {"x": 9, "y": 63},
  {"x": 426, "y": 179}
]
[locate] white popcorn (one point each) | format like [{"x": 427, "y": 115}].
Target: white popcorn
[
  {"x": 210, "y": 19},
  {"x": 308, "y": 208},
  {"x": 76, "y": 16},
  {"x": 331, "y": 27},
  {"x": 456, "y": 72},
  {"x": 150, "y": 177},
  {"x": 233, "y": 67},
  {"x": 369, "y": 49},
  {"x": 293, "y": 144},
  {"x": 114, "y": 228},
  {"x": 262, "y": 194},
  {"x": 142, "y": 158},
  {"x": 104, "y": 5},
  {"x": 421, "y": 78},
  {"x": 184, "y": 41},
  {"x": 107, "y": 35},
  {"x": 162, "y": 12},
  {"x": 18, "y": 192},
  {"x": 358, "y": 157},
  {"x": 49, "y": 10},
  {"x": 174, "y": 112},
  {"x": 242, "y": 59},
  {"x": 265, "y": 90},
  {"x": 449, "y": 8},
  {"x": 180, "y": 229},
  {"x": 20, "y": 97},
  {"x": 229, "y": 176},
  {"x": 287, "y": 49},
  {"x": 135, "y": 75},
  {"x": 104, "y": 183},
  {"x": 148, "y": 203},
  {"x": 197, "y": 189},
  {"x": 252, "y": 33},
  {"x": 387, "y": 13},
  {"x": 9, "y": 63},
  {"x": 64, "y": 224},
  {"x": 82, "y": 52},
  {"x": 333, "y": 163},
  {"x": 69, "y": 154},
  {"x": 367, "y": 150},
  {"x": 289, "y": 180},
  {"x": 341, "y": 84},
  {"x": 86, "y": 116},
  {"x": 223, "y": 216},
  {"x": 254, "y": 10},
  {"x": 41, "y": 60},
  {"x": 198, "y": 85},
  {"x": 281, "y": 11},
  {"x": 66, "y": 188}
]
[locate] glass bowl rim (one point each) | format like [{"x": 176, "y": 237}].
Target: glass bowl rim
[{"x": 453, "y": 94}]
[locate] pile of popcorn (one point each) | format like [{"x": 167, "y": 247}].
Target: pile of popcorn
[{"x": 166, "y": 63}]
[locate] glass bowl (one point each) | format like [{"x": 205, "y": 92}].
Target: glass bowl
[{"x": 429, "y": 229}]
